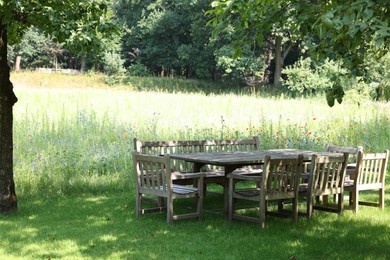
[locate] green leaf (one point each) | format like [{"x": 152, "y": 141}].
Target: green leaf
[
  {"x": 330, "y": 99},
  {"x": 238, "y": 52},
  {"x": 260, "y": 38}
]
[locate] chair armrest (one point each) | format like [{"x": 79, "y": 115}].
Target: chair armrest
[
  {"x": 182, "y": 176},
  {"x": 238, "y": 176}
]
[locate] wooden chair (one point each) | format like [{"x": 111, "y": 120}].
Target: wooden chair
[
  {"x": 278, "y": 181},
  {"x": 216, "y": 174},
  {"x": 153, "y": 176},
  {"x": 352, "y": 156},
  {"x": 370, "y": 175},
  {"x": 326, "y": 177},
  {"x": 158, "y": 148}
]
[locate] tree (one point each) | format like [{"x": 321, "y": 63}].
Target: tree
[
  {"x": 343, "y": 29},
  {"x": 255, "y": 21},
  {"x": 30, "y": 50},
  {"x": 78, "y": 24},
  {"x": 171, "y": 38}
]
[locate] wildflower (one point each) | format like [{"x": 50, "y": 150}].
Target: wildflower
[{"x": 314, "y": 118}]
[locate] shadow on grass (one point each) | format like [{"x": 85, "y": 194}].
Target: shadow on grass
[{"x": 104, "y": 226}]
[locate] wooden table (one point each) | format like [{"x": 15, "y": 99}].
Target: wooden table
[{"x": 233, "y": 160}]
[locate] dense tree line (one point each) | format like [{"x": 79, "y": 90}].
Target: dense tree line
[
  {"x": 158, "y": 38},
  {"x": 246, "y": 41}
]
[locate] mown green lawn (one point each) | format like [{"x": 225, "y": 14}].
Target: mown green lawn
[{"x": 104, "y": 226}]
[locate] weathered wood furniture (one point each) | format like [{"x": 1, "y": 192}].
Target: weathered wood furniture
[
  {"x": 352, "y": 156},
  {"x": 352, "y": 152},
  {"x": 212, "y": 173},
  {"x": 279, "y": 181},
  {"x": 327, "y": 174},
  {"x": 370, "y": 175},
  {"x": 153, "y": 176},
  {"x": 234, "y": 160}
]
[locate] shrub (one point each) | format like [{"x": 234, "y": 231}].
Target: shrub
[
  {"x": 113, "y": 64},
  {"x": 306, "y": 77},
  {"x": 138, "y": 69}
]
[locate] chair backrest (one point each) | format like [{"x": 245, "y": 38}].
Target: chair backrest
[
  {"x": 193, "y": 146},
  {"x": 244, "y": 145},
  {"x": 281, "y": 177},
  {"x": 327, "y": 174},
  {"x": 152, "y": 174},
  {"x": 232, "y": 145},
  {"x": 352, "y": 151},
  {"x": 167, "y": 147},
  {"x": 371, "y": 169},
  {"x": 170, "y": 147}
]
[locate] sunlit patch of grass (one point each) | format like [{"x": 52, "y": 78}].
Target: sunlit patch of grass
[{"x": 80, "y": 139}]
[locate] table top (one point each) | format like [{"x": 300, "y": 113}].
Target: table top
[{"x": 246, "y": 158}]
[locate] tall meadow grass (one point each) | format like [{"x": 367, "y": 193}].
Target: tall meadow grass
[{"x": 73, "y": 134}]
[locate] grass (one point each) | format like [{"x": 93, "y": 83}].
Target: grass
[
  {"x": 73, "y": 172},
  {"x": 83, "y": 226}
]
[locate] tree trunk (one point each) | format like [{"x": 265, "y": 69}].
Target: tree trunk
[
  {"x": 268, "y": 59},
  {"x": 8, "y": 201},
  {"x": 280, "y": 56},
  {"x": 83, "y": 63},
  {"x": 17, "y": 62},
  {"x": 278, "y": 61}
]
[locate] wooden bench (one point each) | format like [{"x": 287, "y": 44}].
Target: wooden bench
[{"x": 212, "y": 174}]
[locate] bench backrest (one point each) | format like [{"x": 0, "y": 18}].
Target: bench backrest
[
  {"x": 193, "y": 146},
  {"x": 231, "y": 145},
  {"x": 351, "y": 151},
  {"x": 170, "y": 147},
  {"x": 371, "y": 170}
]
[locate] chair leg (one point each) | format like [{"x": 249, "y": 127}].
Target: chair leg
[
  {"x": 355, "y": 198},
  {"x": 350, "y": 198},
  {"x": 138, "y": 204},
  {"x": 231, "y": 200},
  {"x": 262, "y": 213},
  {"x": 169, "y": 210},
  {"x": 309, "y": 209},
  {"x": 280, "y": 205},
  {"x": 382, "y": 198},
  {"x": 226, "y": 191},
  {"x": 200, "y": 201},
  {"x": 160, "y": 202},
  {"x": 340, "y": 203},
  {"x": 295, "y": 209},
  {"x": 325, "y": 200}
]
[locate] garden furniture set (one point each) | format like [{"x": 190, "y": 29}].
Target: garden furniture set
[{"x": 167, "y": 170}]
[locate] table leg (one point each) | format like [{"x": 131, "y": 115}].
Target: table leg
[{"x": 228, "y": 169}]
